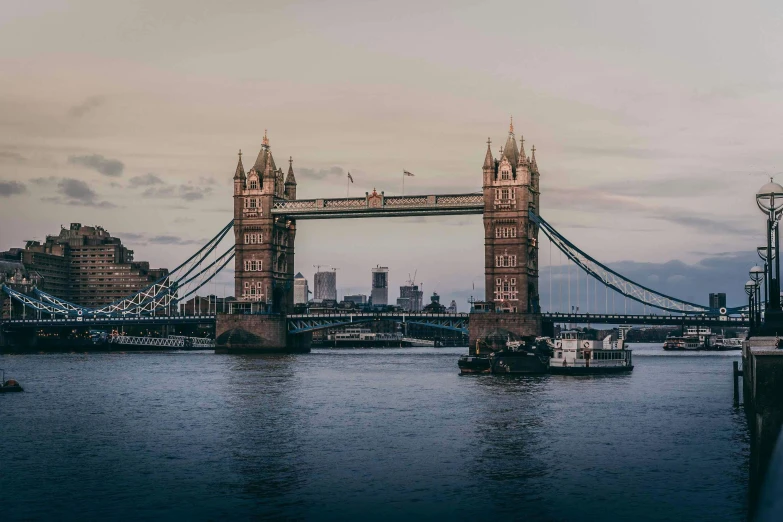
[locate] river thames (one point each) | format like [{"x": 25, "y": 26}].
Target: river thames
[{"x": 381, "y": 434}]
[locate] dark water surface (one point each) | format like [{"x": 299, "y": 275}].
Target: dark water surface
[{"x": 380, "y": 434}]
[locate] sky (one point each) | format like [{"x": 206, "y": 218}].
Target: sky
[{"x": 654, "y": 125}]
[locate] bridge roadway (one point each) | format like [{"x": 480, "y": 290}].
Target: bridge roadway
[
  {"x": 9, "y": 324},
  {"x": 299, "y": 323},
  {"x": 650, "y": 319},
  {"x": 380, "y": 205}
]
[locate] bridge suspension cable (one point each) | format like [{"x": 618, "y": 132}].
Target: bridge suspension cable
[{"x": 615, "y": 281}]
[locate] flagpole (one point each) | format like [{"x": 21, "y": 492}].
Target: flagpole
[{"x": 403, "y": 182}]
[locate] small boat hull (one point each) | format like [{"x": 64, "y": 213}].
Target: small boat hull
[
  {"x": 472, "y": 365},
  {"x": 10, "y": 389},
  {"x": 520, "y": 363},
  {"x": 588, "y": 370}
]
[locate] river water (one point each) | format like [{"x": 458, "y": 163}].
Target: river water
[{"x": 377, "y": 434}]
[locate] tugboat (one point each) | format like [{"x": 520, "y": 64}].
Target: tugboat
[
  {"x": 526, "y": 356},
  {"x": 10, "y": 385},
  {"x": 473, "y": 364},
  {"x": 575, "y": 355}
]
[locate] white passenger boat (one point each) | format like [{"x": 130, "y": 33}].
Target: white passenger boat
[{"x": 575, "y": 355}]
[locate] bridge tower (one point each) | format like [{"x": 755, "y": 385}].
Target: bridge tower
[
  {"x": 264, "y": 262},
  {"x": 511, "y": 188}
]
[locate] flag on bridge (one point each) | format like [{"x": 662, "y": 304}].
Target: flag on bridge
[
  {"x": 406, "y": 173},
  {"x": 350, "y": 177}
]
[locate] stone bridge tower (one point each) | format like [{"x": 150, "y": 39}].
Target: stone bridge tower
[
  {"x": 264, "y": 244},
  {"x": 511, "y": 189}
]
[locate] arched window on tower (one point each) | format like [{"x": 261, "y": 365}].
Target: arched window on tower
[{"x": 253, "y": 184}]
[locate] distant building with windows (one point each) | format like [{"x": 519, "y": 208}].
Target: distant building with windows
[
  {"x": 301, "y": 289},
  {"x": 84, "y": 265},
  {"x": 718, "y": 300},
  {"x": 380, "y": 286},
  {"x": 410, "y": 298},
  {"x": 357, "y": 299},
  {"x": 325, "y": 286}
]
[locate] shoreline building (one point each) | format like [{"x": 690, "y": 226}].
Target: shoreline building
[
  {"x": 325, "y": 286},
  {"x": 380, "y": 286},
  {"x": 301, "y": 289},
  {"x": 85, "y": 265}
]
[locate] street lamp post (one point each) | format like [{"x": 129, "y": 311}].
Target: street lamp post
[
  {"x": 749, "y": 288},
  {"x": 763, "y": 254},
  {"x": 756, "y": 275},
  {"x": 769, "y": 199}
]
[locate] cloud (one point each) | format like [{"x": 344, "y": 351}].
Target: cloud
[
  {"x": 44, "y": 181},
  {"x": 9, "y": 155},
  {"x": 144, "y": 181},
  {"x": 78, "y": 193},
  {"x": 106, "y": 166},
  {"x": 186, "y": 192},
  {"x": 133, "y": 236},
  {"x": 334, "y": 171},
  {"x": 175, "y": 240},
  {"x": 88, "y": 105},
  {"x": 11, "y": 188}
]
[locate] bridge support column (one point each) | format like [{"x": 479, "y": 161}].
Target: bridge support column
[
  {"x": 490, "y": 330},
  {"x": 258, "y": 333}
]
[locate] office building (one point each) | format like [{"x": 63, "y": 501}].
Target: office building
[
  {"x": 718, "y": 300},
  {"x": 325, "y": 286},
  {"x": 410, "y": 298},
  {"x": 301, "y": 290},
  {"x": 357, "y": 299},
  {"x": 380, "y": 286}
]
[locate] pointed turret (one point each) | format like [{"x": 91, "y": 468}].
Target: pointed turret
[
  {"x": 489, "y": 162},
  {"x": 522, "y": 156},
  {"x": 533, "y": 159},
  {"x": 510, "y": 151},
  {"x": 240, "y": 172},
  {"x": 290, "y": 179},
  {"x": 264, "y": 159}
]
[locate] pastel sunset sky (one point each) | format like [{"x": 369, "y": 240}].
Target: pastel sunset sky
[{"x": 654, "y": 124}]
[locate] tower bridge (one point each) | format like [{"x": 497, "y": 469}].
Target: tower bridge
[{"x": 264, "y": 223}]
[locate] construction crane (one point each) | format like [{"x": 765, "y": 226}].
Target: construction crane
[{"x": 412, "y": 281}]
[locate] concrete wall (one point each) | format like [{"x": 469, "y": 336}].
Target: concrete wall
[
  {"x": 500, "y": 326},
  {"x": 257, "y": 334},
  {"x": 762, "y": 367}
]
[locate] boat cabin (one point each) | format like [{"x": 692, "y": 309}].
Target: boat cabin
[{"x": 572, "y": 348}]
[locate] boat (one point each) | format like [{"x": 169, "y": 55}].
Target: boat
[
  {"x": 10, "y": 385},
  {"x": 576, "y": 355},
  {"x": 356, "y": 336},
  {"x": 725, "y": 345},
  {"x": 526, "y": 356},
  {"x": 473, "y": 364},
  {"x": 679, "y": 343}
]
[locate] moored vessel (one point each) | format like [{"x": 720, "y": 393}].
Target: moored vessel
[
  {"x": 575, "y": 355},
  {"x": 473, "y": 364},
  {"x": 10, "y": 385},
  {"x": 526, "y": 356}
]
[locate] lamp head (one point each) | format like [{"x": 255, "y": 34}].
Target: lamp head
[
  {"x": 762, "y": 252},
  {"x": 749, "y": 287},
  {"x": 769, "y": 198},
  {"x": 756, "y": 273}
]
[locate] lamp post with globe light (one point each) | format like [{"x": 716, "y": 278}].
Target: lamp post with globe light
[
  {"x": 762, "y": 252},
  {"x": 756, "y": 275},
  {"x": 769, "y": 199},
  {"x": 750, "y": 287}
]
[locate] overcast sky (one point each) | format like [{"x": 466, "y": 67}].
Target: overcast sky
[{"x": 654, "y": 124}]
